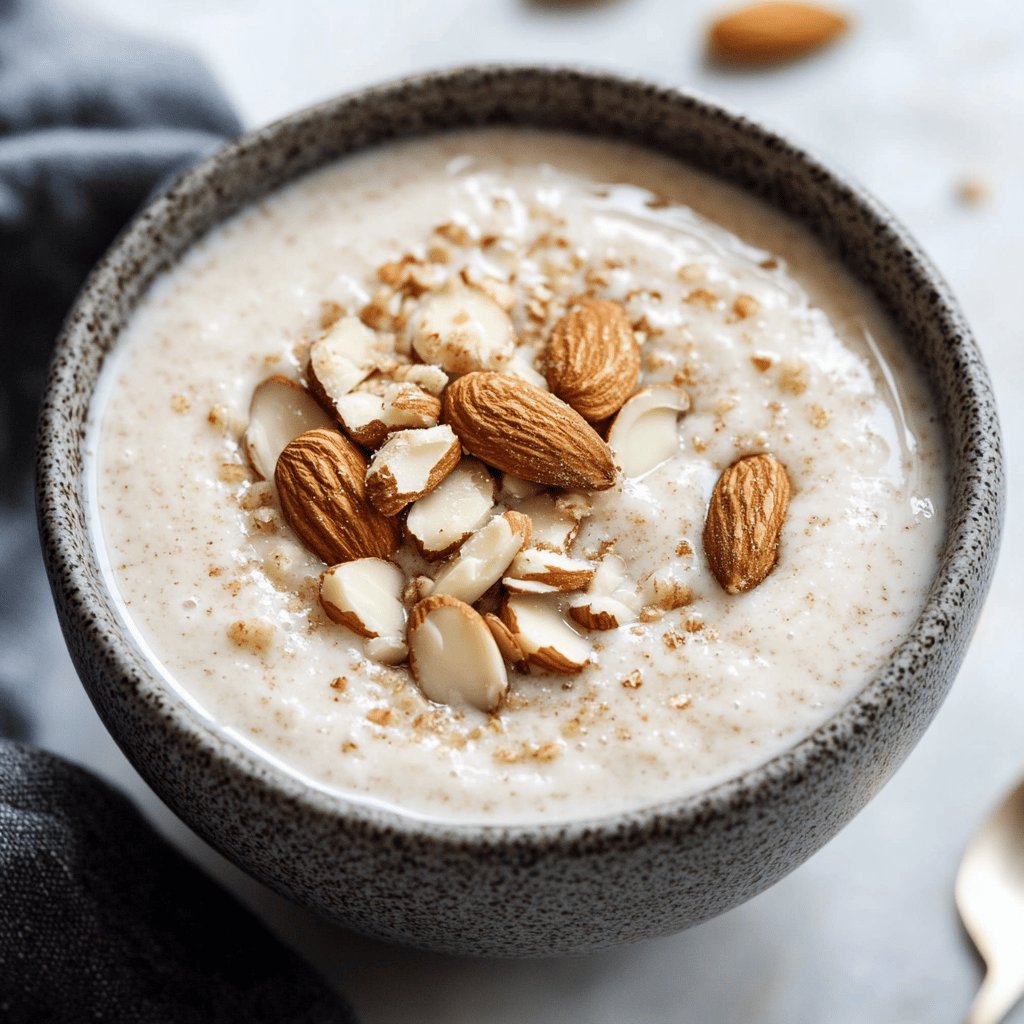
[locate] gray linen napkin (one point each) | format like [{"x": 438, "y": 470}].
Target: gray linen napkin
[{"x": 100, "y": 920}]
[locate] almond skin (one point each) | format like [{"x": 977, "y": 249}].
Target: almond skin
[
  {"x": 592, "y": 361},
  {"x": 320, "y": 480},
  {"x": 768, "y": 33},
  {"x": 744, "y": 521},
  {"x": 520, "y": 429}
]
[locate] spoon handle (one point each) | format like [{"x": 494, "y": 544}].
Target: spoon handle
[{"x": 997, "y": 996}]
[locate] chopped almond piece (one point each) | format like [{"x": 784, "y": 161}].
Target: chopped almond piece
[
  {"x": 366, "y": 596},
  {"x": 483, "y": 559},
  {"x": 453, "y": 656},
  {"x": 461, "y": 329},
  {"x": 368, "y": 418},
  {"x": 342, "y": 357},
  {"x": 438, "y": 523},
  {"x": 547, "y": 640},
  {"x": 279, "y": 411},
  {"x": 644, "y": 433},
  {"x": 411, "y": 464}
]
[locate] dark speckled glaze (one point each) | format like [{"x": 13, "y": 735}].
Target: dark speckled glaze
[{"x": 526, "y": 889}]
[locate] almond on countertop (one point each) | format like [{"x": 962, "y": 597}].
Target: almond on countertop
[
  {"x": 453, "y": 656},
  {"x": 767, "y": 33},
  {"x": 409, "y": 465},
  {"x": 320, "y": 480},
  {"x": 280, "y": 410},
  {"x": 645, "y": 432},
  {"x": 520, "y": 429},
  {"x": 592, "y": 361},
  {"x": 439, "y": 522},
  {"x": 744, "y": 521}
]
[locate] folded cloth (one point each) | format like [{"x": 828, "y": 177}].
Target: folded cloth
[
  {"x": 91, "y": 120},
  {"x": 100, "y": 920}
]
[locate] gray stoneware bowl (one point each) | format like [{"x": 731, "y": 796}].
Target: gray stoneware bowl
[{"x": 526, "y": 890}]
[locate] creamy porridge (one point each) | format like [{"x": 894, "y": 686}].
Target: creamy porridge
[{"x": 641, "y": 642}]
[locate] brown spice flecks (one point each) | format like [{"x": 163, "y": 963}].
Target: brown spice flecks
[
  {"x": 771, "y": 263},
  {"x": 693, "y": 625},
  {"x": 793, "y": 377},
  {"x": 650, "y": 614},
  {"x": 681, "y": 701},
  {"x": 761, "y": 362},
  {"x": 528, "y": 752},
  {"x": 684, "y": 549},
  {"x": 745, "y": 306},
  {"x": 634, "y": 680},
  {"x": 379, "y": 716},
  {"x": 233, "y": 473},
  {"x": 457, "y": 234},
  {"x": 330, "y": 313},
  {"x": 348, "y": 746},
  {"x": 180, "y": 403},
  {"x": 254, "y": 635},
  {"x": 818, "y": 416},
  {"x": 702, "y": 297},
  {"x": 339, "y": 683}
]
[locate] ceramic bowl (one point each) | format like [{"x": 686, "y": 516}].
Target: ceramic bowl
[{"x": 543, "y": 889}]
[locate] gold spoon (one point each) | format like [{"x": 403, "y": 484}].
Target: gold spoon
[{"x": 990, "y": 898}]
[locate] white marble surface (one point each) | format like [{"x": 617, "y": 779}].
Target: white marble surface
[{"x": 922, "y": 94}]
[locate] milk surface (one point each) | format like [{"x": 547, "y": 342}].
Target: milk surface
[{"x": 779, "y": 350}]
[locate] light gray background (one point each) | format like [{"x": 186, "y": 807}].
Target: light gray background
[{"x": 920, "y": 96}]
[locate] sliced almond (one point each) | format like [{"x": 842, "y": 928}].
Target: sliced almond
[
  {"x": 765, "y": 33},
  {"x": 592, "y": 361},
  {"x": 461, "y": 329},
  {"x": 409, "y": 465},
  {"x": 610, "y": 601},
  {"x": 645, "y": 432},
  {"x": 744, "y": 521},
  {"x": 320, "y": 478},
  {"x": 483, "y": 559},
  {"x": 520, "y": 429},
  {"x": 369, "y": 418},
  {"x": 280, "y": 410},
  {"x": 547, "y": 640},
  {"x": 366, "y": 596},
  {"x": 555, "y": 521},
  {"x": 507, "y": 643},
  {"x": 453, "y": 656},
  {"x": 346, "y": 354},
  {"x": 553, "y": 569},
  {"x": 438, "y": 523}
]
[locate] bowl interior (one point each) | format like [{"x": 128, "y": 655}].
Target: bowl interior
[{"x": 871, "y": 244}]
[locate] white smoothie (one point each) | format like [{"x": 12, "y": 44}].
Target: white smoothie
[{"x": 778, "y": 350}]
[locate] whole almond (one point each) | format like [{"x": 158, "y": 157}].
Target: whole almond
[
  {"x": 767, "y": 33},
  {"x": 320, "y": 480},
  {"x": 744, "y": 521},
  {"x": 517, "y": 428},
  {"x": 592, "y": 361}
]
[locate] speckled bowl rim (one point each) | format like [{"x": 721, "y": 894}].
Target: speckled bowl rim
[{"x": 958, "y": 562}]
